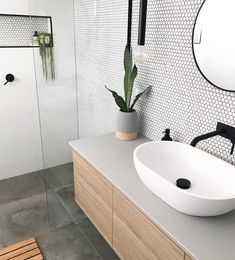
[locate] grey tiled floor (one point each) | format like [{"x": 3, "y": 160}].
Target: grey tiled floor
[{"x": 41, "y": 204}]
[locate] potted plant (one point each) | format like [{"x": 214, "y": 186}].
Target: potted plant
[
  {"x": 46, "y": 52},
  {"x": 127, "y": 119}
]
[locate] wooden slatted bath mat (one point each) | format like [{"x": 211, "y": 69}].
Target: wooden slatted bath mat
[{"x": 27, "y": 249}]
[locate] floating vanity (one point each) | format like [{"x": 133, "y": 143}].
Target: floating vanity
[{"x": 132, "y": 219}]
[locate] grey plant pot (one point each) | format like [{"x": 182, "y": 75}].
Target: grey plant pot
[{"x": 127, "y": 126}]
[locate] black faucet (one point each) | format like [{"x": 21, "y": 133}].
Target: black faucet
[
  {"x": 223, "y": 130},
  {"x": 206, "y": 136}
]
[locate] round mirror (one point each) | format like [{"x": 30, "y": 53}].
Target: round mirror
[{"x": 214, "y": 42}]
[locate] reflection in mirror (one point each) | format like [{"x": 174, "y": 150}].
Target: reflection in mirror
[{"x": 214, "y": 42}]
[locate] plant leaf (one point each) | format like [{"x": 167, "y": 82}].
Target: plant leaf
[
  {"x": 131, "y": 84},
  {"x": 128, "y": 69},
  {"x": 138, "y": 97},
  {"x": 127, "y": 60},
  {"x": 47, "y": 56},
  {"x": 119, "y": 100}
]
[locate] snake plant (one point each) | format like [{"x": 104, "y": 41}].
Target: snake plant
[
  {"x": 47, "y": 55},
  {"x": 131, "y": 72}
]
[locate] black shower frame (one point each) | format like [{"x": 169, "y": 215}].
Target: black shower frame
[{"x": 30, "y": 16}]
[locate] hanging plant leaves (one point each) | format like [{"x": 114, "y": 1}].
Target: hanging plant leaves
[{"x": 47, "y": 55}]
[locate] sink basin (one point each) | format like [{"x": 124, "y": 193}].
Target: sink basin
[{"x": 212, "y": 190}]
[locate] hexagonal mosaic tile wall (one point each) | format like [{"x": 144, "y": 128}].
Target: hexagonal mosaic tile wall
[
  {"x": 180, "y": 99},
  {"x": 17, "y": 31}
]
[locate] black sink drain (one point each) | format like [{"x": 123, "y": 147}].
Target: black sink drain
[{"x": 183, "y": 183}]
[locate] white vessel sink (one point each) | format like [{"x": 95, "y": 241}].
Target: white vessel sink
[{"x": 212, "y": 190}]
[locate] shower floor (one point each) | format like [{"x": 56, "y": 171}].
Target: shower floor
[{"x": 41, "y": 205}]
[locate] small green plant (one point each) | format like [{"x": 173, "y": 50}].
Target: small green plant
[
  {"x": 131, "y": 72},
  {"x": 47, "y": 55}
]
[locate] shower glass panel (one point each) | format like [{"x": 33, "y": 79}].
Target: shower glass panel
[
  {"x": 57, "y": 99},
  {"x": 57, "y": 103},
  {"x": 38, "y": 118}
]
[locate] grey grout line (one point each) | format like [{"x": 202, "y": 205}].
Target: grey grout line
[
  {"x": 90, "y": 242},
  {"x": 61, "y": 188},
  {"x": 65, "y": 207}
]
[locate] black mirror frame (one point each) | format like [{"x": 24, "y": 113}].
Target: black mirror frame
[{"x": 194, "y": 56}]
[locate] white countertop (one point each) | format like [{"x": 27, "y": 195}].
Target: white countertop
[{"x": 202, "y": 238}]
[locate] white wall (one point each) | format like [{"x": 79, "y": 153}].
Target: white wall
[
  {"x": 14, "y": 7},
  {"x": 24, "y": 120},
  {"x": 20, "y": 143}
]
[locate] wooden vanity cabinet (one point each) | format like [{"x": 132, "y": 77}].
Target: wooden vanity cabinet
[
  {"x": 93, "y": 193},
  {"x": 187, "y": 257},
  {"x": 136, "y": 237},
  {"x": 125, "y": 228}
]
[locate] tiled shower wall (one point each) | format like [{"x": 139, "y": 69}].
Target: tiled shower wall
[
  {"x": 180, "y": 99},
  {"x": 17, "y": 31},
  {"x": 100, "y": 40}
]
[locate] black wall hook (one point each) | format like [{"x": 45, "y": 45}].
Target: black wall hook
[{"x": 9, "y": 78}]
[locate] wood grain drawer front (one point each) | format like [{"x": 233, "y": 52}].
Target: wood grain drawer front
[
  {"x": 135, "y": 237},
  {"x": 187, "y": 257},
  {"x": 94, "y": 195}
]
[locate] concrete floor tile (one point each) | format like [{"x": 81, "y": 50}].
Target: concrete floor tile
[
  {"x": 59, "y": 176},
  {"x": 20, "y": 187},
  {"x": 67, "y": 197},
  {"x": 27, "y": 217},
  {"x": 24, "y": 218},
  {"x": 67, "y": 243},
  {"x": 42, "y": 205},
  {"x": 57, "y": 214},
  {"x": 97, "y": 240}
]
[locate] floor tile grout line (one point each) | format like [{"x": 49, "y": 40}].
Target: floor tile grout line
[
  {"x": 57, "y": 196},
  {"x": 61, "y": 188},
  {"x": 64, "y": 206},
  {"x": 69, "y": 213},
  {"x": 90, "y": 242}
]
